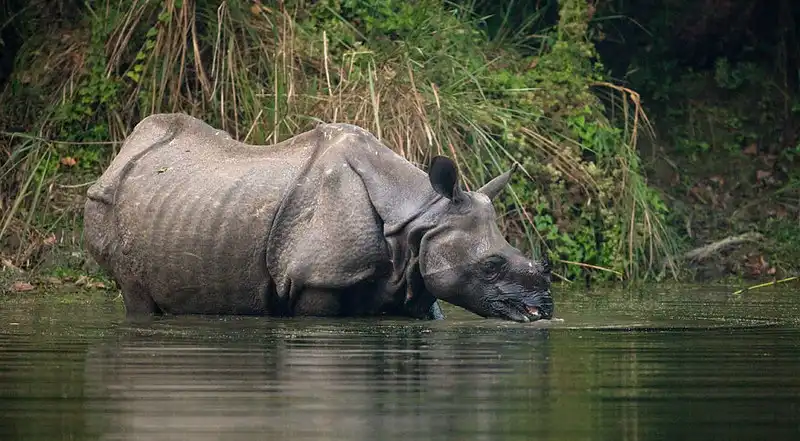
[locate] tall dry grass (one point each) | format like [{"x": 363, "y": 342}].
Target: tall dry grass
[{"x": 263, "y": 74}]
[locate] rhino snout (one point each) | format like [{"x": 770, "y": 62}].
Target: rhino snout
[{"x": 522, "y": 307}]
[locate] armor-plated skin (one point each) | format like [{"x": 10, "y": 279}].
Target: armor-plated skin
[{"x": 328, "y": 223}]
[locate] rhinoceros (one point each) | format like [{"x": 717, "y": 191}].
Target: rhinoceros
[{"x": 330, "y": 222}]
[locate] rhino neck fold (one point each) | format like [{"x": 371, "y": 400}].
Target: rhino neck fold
[{"x": 403, "y": 198}]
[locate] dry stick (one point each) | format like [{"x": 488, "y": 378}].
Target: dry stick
[
  {"x": 438, "y": 115},
  {"x": 85, "y": 184},
  {"x": 340, "y": 88},
  {"x": 325, "y": 61},
  {"x": 761, "y": 285},
  {"x": 253, "y": 126},
  {"x": 232, "y": 76},
  {"x": 55, "y": 141},
  {"x": 420, "y": 106},
  {"x": 201, "y": 73},
  {"x": 184, "y": 43},
  {"x": 328, "y": 76},
  {"x": 280, "y": 53},
  {"x": 706, "y": 251},
  {"x": 168, "y": 47},
  {"x": 375, "y": 98},
  {"x": 587, "y": 265},
  {"x": 630, "y": 238}
]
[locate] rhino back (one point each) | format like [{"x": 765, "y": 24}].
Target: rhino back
[{"x": 192, "y": 210}]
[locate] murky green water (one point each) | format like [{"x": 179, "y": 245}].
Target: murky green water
[{"x": 673, "y": 365}]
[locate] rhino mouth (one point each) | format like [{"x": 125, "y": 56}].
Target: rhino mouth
[
  {"x": 520, "y": 312},
  {"x": 533, "y": 312}
]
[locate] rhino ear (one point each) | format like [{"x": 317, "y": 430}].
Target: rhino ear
[
  {"x": 444, "y": 178},
  {"x": 496, "y": 185}
]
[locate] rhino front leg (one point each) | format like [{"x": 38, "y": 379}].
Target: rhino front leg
[
  {"x": 318, "y": 302},
  {"x": 138, "y": 301}
]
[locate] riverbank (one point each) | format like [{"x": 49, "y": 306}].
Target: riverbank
[{"x": 713, "y": 196}]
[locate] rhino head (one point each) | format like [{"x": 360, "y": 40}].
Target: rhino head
[{"x": 466, "y": 261}]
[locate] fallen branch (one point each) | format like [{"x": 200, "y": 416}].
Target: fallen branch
[
  {"x": 761, "y": 285},
  {"x": 586, "y": 265},
  {"x": 713, "y": 248}
]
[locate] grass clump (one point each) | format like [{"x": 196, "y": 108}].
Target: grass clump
[{"x": 422, "y": 76}]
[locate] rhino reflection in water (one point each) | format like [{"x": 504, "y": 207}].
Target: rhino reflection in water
[
  {"x": 329, "y": 223},
  {"x": 318, "y": 382}
]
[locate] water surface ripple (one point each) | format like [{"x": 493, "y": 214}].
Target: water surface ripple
[{"x": 674, "y": 364}]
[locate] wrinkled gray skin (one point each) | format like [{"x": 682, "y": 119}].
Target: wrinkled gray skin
[{"x": 328, "y": 223}]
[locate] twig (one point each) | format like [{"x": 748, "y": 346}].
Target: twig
[
  {"x": 706, "y": 251},
  {"x": 253, "y": 126},
  {"x": 587, "y": 265},
  {"x": 325, "y": 61},
  {"x": 761, "y": 285},
  {"x": 562, "y": 278},
  {"x": 85, "y": 184},
  {"x": 55, "y": 141}
]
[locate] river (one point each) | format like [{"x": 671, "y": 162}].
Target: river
[{"x": 667, "y": 363}]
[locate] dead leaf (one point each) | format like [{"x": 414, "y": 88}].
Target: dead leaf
[
  {"x": 96, "y": 285},
  {"x": 697, "y": 191},
  {"x": 89, "y": 283},
  {"x": 68, "y": 161},
  {"x": 50, "y": 240},
  {"x": 53, "y": 280},
  {"x": 7, "y": 264},
  {"x": 751, "y": 150},
  {"x": 719, "y": 180},
  {"x": 21, "y": 286},
  {"x": 257, "y": 8},
  {"x": 762, "y": 174}
]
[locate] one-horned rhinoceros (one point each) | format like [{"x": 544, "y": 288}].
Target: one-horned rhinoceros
[{"x": 330, "y": 222}]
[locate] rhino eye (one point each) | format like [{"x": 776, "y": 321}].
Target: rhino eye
[{"x": 493, "y": 265}]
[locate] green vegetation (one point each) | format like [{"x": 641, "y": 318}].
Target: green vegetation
[
  {"x": 720, "y": 81},
  {"x": 487, "y": 83}
]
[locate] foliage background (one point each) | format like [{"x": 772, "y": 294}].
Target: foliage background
[{"x": 568, "y": 89}]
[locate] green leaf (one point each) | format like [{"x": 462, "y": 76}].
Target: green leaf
[{"x": 133, "y": 75}]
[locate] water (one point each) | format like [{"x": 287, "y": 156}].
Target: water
[{"x": 672, "y": 364}]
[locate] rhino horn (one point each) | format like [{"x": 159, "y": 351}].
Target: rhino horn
[
  {"x": 443, "y": 175},
  {"x": 496, "y": 185}
]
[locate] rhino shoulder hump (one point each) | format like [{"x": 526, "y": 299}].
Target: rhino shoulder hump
[
  {"x": 348, "y": 139},
  {"x": 151, "y": 132}
]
